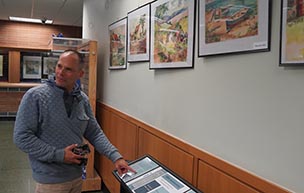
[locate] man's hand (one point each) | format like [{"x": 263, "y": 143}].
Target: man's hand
[
  {"x": 70, "y": 157},
  {"x": 122, "y": 166}
]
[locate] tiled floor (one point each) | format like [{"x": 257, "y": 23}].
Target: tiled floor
[{"x": 15, "y": 171}]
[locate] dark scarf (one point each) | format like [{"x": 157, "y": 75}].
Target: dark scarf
[{"x": 68, "y": 98}]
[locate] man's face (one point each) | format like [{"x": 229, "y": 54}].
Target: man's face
[{"x": 68, "y": 71}]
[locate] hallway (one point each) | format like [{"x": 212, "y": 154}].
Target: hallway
[{"x": 15, "y": 171}]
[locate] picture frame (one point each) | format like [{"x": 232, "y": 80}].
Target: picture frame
[
  {"x": 4, "y": 60},
  {"x": 32, "y": 67},
  {"x": 118, "y": 44},
  {"x": 139, "y": 34},
  {"x": 172, "y": 34},
  {"x": 1, "y": 66},
  {"x": 291, "y": 41},
  {"x": 49, "y": 65},
  {"x": 233, "y": 27}
]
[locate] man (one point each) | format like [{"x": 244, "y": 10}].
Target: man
[{"x": 52, "y": 120}]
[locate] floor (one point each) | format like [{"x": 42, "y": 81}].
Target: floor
[{"x": 15, "y": 171}]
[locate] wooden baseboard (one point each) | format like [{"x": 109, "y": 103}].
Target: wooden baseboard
[{"x": 92, "y": 184}]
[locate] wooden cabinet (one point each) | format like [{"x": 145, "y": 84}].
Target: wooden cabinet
[
  {"x": 10, "y": 97},
  {"x": 12, "y": 90}
]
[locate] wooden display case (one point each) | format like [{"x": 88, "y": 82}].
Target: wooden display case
[
  {"x": 88, "y": 49},
  {"x": 11, "y": 88}
]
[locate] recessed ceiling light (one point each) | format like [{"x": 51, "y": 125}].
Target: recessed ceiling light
[{"x": 31, "y": 20}]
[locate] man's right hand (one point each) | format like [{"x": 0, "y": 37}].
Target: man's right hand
[{"x": 70, "y": 157}]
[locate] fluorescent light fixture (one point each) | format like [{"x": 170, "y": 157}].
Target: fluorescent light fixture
[{"x": 31, "y": 20}]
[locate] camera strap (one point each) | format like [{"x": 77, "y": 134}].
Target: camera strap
[{"x": 84, "y": 171}]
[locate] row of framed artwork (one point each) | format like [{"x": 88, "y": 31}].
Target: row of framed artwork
[
  {"x": 33, "y": 67},
  {"x": 163, "y": 32},
  {"x": 37, "y": 67}
]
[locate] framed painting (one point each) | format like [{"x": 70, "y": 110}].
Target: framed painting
[
  {"x": 230, "y": 26},
  {"x": 32, "y": 67},
  {"x": 172, "y": 34},
  {"x": 139, "y": 34},
  {"x": 49, "y": 65},
  {"x": 292, "y": 33},
  {"x": 4, "y": 66},
  {"x": 1, "y": 65},
  {"x": 118, "y": 44}
]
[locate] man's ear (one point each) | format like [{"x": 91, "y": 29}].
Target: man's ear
[{"x": 81, "y": 73}]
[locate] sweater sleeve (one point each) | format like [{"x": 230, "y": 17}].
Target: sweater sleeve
[
  {"x": 27, "y": 128},
  {"x": 98, "y": 139}
]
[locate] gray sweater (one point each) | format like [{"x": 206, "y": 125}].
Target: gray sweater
[{"x": 43, "y": 129}]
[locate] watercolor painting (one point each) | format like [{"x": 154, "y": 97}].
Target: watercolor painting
[
  {"x": 230, "y": 19},
  {"x": 172, "y": 33},
  {"x": 32, "y": 67},
  {"x": 49, "y": 65},
  {"x": 117, "y": 32},
  {"x": 292, "y": 28},
  {"x": 233, "y": 26},
  {"x": 138, "y": 34}
]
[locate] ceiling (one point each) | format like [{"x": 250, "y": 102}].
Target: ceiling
[{"x": 62, "y": 12}]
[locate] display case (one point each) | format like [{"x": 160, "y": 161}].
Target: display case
[
  {"x": 152, "y": 176},
  {"x": 59, "y": 44},
  {"x": 88, "y": 49}
]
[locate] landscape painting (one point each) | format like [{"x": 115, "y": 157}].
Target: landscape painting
[
  {"x": 118, "y": 51},
  {"x": 31, "y": 67},
  {"x": 229, "y": 26},
  {"x": 49, "y": 65},
  {"x": 230, "y": 19},
  {"x": 172, "y": 33},
  {"x": 292, "y": 30},
  {"x": 138, "y": 34}
]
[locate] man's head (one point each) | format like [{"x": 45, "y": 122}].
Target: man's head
[{"x": 69, "y": 69}]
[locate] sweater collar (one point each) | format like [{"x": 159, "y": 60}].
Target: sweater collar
[{"x": 76, "y": 92}]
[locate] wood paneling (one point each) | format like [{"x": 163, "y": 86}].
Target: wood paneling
[
  {"x": 14, "y": 67},
  {"x": 9, "y": 101},
  {"x": 212, "y": 180},
  {"x": 123, "y": 135},
  {"x": 174, "y": 158},
  {"x": 32, "y": 36},
  {"x": 202, "y": 169},
  {"x": 92, "y": 183}
]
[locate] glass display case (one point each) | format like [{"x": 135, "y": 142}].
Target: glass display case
[
  {"x": 88, "y": 49},
  {"x": 59, "y": 44}
]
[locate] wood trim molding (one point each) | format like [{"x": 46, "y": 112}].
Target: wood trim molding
[
  {"x": 201, "y": 156},
  {"x": 14, "y": 67}
]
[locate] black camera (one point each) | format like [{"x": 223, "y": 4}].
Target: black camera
[{"x": 82, "y": 150}]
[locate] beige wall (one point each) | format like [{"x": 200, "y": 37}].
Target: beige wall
[{"x": 244, "y": 108}]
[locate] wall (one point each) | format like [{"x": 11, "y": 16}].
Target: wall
[
  {"x": 244, "y": 108},
  {"x": 32, "y": 36}
]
